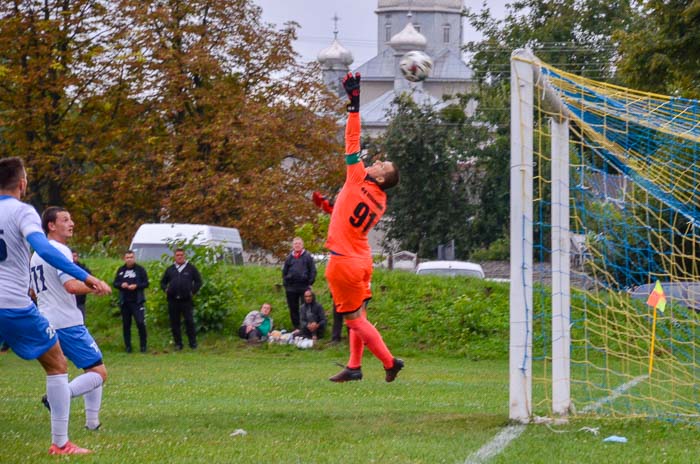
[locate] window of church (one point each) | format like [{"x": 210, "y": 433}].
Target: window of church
[
  {"x": 416, "y": 27},
  {"x": 387, "y": 34},
  {"x": 446, "y": 33}
]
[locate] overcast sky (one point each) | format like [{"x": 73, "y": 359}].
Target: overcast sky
[{"x": 357, "y": 24}]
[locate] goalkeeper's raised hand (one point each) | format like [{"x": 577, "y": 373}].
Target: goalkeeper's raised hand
[{"x": 351, "y": 84}]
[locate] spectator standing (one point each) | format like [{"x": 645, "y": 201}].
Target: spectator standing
[
  {"x": 312, "y": 317},
  {"x": 180, "y": 282},
  {"x": 298, "y": 274},
  {"x": 257, "y": 324},
  {"x": 80, "y": 300},
  {"x": 132, "y": 280}
]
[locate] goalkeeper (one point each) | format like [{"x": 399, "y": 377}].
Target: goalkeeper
[{"x": 358, "y": 207}]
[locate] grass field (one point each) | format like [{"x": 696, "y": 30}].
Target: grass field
[
  {"x": 183, "y": 407},
  {"x": 449, "y": 402}
]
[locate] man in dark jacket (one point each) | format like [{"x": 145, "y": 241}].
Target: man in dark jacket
[
  {"x": 312, "y": 317},
  {"x": 181, "y": 282},
  {"x": 298, "y": 274},
  {"x": 132, "y": 280}
]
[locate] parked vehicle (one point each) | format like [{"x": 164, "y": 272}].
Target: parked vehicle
[
  {"x": 451, "y": 268},
  {"x": 151, "y": 240}
]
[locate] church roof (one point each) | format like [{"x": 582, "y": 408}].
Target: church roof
[
  {"x": 380, "y": 67},
  {"x": 408, "y": 39},
  {"x": 447, "y": 66},
  {"x": 375, "y": 113},
  {"x": 335, "y": 54}
]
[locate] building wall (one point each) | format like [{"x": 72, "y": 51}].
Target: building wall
[{"x": 430, "y": 24}]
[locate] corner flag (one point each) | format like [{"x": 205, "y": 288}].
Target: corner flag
[{"x": 657, "y": 299}]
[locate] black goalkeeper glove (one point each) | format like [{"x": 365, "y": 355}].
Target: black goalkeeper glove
[{"x": 351, "y": 84}]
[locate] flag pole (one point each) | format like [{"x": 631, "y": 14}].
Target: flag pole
[{"x": 653, "y": 337}]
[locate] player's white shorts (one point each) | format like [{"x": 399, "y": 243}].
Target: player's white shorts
[
  {"x": 27, "y": 332},
  {"x": 79, "y": 346}
]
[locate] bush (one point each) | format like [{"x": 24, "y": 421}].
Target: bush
[
  {"x": 451, "y": 316},
  {"x": 498, "y": 250}
]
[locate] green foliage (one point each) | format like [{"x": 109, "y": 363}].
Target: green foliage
[
  {"x": 450, "y": 316},
  {"x": 498, "y": 250},
  {"x": 314, "y": 234},
  {"x": 661, "y": 54},
  {"x": 572, "y": 35},
  {"x": 439, "y": 188}
]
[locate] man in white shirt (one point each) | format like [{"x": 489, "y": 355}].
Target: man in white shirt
[
  {"x": 22, "y": 327},
  {"x": 55, "y": 292}
]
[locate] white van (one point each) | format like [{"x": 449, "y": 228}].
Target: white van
[
  {"x": 151, "y": 240},
  {"x": 451, "y": 268}
]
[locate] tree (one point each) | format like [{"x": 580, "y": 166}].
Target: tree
[
  {"x": 242, "y": 130},
  {"x": 436, "y": 197},
  {"x": 573, "y": 35},
  {"x": 142, "y": 111},
  {"x": 50, "y": 61},
  {"x": 661, "y": 54}
]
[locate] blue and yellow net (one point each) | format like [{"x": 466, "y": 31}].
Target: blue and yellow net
[{"x": 634, "y": 172}]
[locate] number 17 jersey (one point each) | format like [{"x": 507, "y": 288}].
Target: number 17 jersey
[
  {"x": 53, "y": 300},
  {"x": 358, "y": 207}
]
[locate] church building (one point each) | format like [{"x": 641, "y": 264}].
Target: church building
[{"x": 432, "y": 26}]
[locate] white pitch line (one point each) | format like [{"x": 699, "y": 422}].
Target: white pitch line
[
  {"x": 510, "y": 433},
  {"x": 616, "y": 392},
  {"x": 495, "y": 446}
]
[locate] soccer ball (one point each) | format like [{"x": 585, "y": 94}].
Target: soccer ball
[{"x": 416, "y": 66}]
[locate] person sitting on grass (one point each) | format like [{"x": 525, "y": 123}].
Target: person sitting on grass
[
  {"x": 257, "y": 324},
  {"x": 312, "y": 317}
]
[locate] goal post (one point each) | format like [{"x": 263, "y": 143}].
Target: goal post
[
  {"x": 520, "y": 347},
  {"x": 605, "y": 204},
  {"x": 524, "y": 75}
]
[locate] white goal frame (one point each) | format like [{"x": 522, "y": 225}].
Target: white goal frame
[{"x": 525, "y": 80}]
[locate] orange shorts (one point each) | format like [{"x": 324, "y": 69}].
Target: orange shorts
[{"x": 349, "y": 281}]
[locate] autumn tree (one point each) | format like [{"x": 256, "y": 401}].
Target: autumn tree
[
  {"x": 144, "y": 111},
  {"x": 50, "y": 62},
  {"x": 242, "y": 131}
]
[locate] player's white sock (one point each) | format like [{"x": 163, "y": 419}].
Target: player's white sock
[
  {"x": 93, "y": 402},
  {"x": 58, "y": 394},
  {"x": 84, "y": 383}
]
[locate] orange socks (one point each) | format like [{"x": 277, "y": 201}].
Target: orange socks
[
  {"x": 357, "y": 348},
  {"x": 370, "y": 336}
]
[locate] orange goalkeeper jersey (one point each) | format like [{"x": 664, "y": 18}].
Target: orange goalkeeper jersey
[{"x": 360, "y": 203}]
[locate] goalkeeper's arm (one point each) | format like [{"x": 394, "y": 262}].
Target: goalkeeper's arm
[
  {"x": 351, "y": 84},
  {"x": 322, "y": 202}
]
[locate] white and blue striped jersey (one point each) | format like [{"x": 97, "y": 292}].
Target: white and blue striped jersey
[
  {"x": 54, "y": 302},
  {"x": 17, "y": 221}
]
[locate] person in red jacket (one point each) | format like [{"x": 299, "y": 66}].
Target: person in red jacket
[{"x": 358, "y": 208}]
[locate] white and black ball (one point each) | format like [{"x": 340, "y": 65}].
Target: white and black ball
[{"x": 416, "y": 66}]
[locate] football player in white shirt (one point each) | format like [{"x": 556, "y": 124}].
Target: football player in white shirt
[
  {"x": 55, "y": 292},
  {"x": 21, "y": 325}
]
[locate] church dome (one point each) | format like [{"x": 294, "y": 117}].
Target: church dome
[
  {"x": 419, "y": 5},
  {"x": 335, "y": 54},
  {"x": 408, "y": 39}
]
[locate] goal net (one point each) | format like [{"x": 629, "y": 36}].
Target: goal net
[{"x": 604, "y": 203}]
